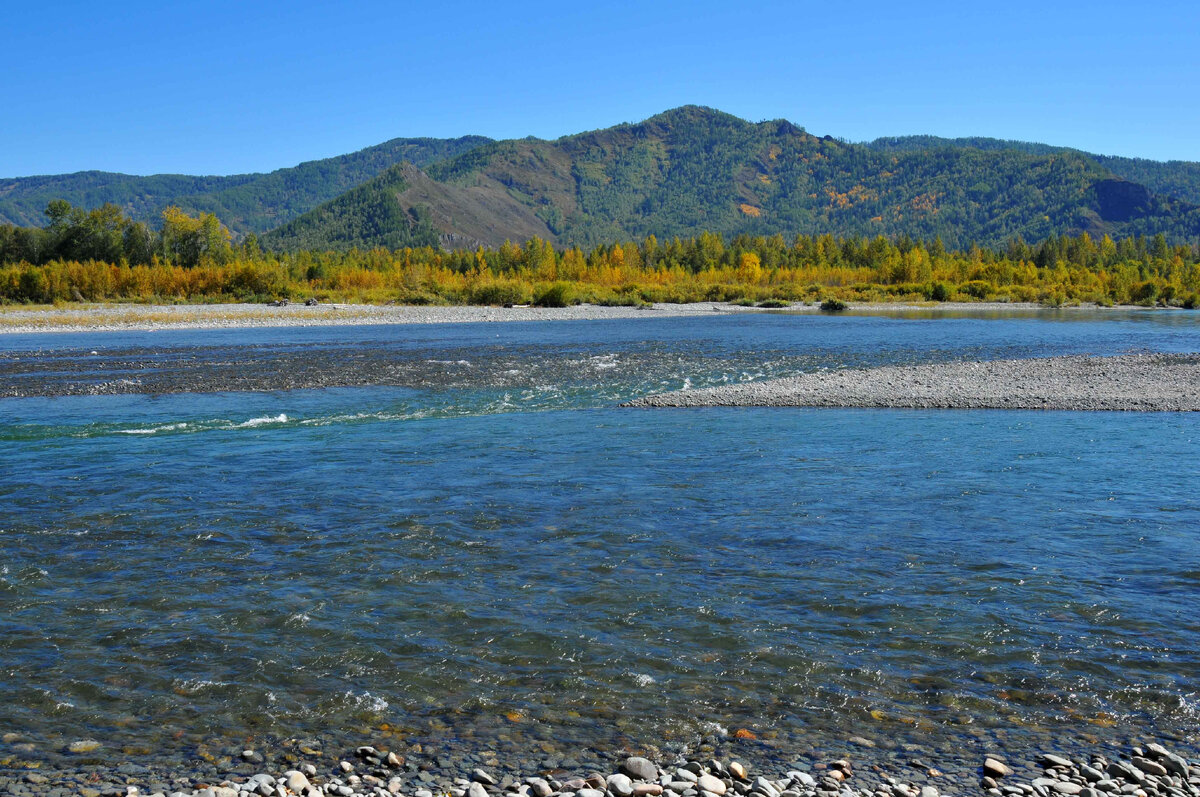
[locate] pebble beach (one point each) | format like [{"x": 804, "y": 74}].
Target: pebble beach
[
  {"x": 1144, "y": 770},
  {"x": 1138, "y": 382}
]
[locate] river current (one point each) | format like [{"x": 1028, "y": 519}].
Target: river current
[{"x": 453, "y": 534}]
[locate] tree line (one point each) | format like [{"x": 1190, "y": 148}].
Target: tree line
[{"x": 100, "y": 255}]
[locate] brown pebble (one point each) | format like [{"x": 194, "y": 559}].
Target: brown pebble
[{"x": 647, "y": 790}]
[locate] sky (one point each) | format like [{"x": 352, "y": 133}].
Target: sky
[{"x": 232, "y": 87}]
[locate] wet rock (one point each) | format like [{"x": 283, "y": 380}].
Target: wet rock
[
  {"x": 482, "y": 776},
  {"x": 1051, "y": 760},
  {"x": 1149, "y": 767},
  {"x": 996, "y": 769},
  {"x": 83, "y": 746},
  {"x": 620, "y": 785},
  {"x": 639, "y": 768}
]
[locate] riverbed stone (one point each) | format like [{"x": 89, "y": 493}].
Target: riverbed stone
[
  {"x": 296, "y": 781},
  {"x": 639, "y": 768},
  {"x": 996, "y": 768},
  {"x": 712, "y": 784},
  {"x": 619, "y": 785}
]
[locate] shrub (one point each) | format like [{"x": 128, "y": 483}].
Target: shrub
[
  {"x": 1144, "y": 293},
  {"x": 976, "y": 289},
  {"x": 939, "y": 292},
  {"x": 834, "y": 306},
  {"x": 557, "y": 295},
  {"x": 498, "y": 292},
  {"x": 774, "y": 304}
]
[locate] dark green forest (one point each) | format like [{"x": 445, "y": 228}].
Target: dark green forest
[
  {"x": 694, "y": 169},
  {"x": 684, "y": 172},
  {"x": 246, "y": 203}
]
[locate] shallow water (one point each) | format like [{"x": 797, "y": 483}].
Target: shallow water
[{"x": 468, "y": 541}]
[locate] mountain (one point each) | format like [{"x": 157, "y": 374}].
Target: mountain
[
  {"x": 1174, "y": 179},
  {"x": 695, "y": 169},
  {"x": 245, "y": 202}
]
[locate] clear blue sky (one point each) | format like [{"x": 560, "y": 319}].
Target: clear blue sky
[{"x": 224, "y": 87}]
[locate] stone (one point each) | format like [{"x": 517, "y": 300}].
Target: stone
[
  {"x": 1050, "y": 760},
  {"x": 481, "y": 776},
  {"x": 1091, "y": 774},
  {"x": 618, "y": 785},
  {"x": 394, "y": 760},
  {"x": 83, "y": 746},
  {"x": 589, "y": 792},
  {"x": 1120, "y": 769},
  {"x": 996, "y": 769},
  {"x": 345, "y": 766},
  {"x": 686, "y": 775},
  {"x": 1149, "y": 767},
  {"x": 476, "y": 789},
  {"x": 737, "y": 769},
  {"x": 929, "y": 791},
  {"x": 296, "y": 781},
  {"x": 395, "y": 785},
  {"x": 639, "y": 768},
  {"x": 764, "y": 786},
  {"x": 643, "y": 790},
  {"x": 680, "y": 786},
  {"x": 712, "y": 784},
  {"x": 1066, "y": 787},
  {"x": 538, "y": 787}
]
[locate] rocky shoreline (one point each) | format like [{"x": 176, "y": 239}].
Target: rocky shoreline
[
  {"x": 149, "y": 317},
  {"x": 1144, "y": 770},
  {"x": 1136, "y": 382}
]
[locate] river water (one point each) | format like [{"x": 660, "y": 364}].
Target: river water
[{"x": 453, "y": 534}]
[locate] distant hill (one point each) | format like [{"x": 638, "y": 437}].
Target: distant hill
[
  {"x": 695, "y": 169},
  {"x": 682, "y": 172},
  {"x": 244, "y": 202},
  {"x": 1174, "y": 179}
]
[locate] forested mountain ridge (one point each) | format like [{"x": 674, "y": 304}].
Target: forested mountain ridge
[
  {"x": 695, "y": 169},
  {"x": 1175, "y": 179},
  {"x": 244, "y": 202},
  {"x": 681, "y": 172}
]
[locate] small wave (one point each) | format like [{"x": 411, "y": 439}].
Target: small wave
[
  {"x": 196, "y": 684},
  {"x": 641, "y": 679},
  {"x": 262, "y": 421},
  {"x": 366, "y": 701},
  {"x": 170, "y": 427}
]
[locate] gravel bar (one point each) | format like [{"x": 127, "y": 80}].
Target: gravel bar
[
  {"x": 1134, "y": 382},
  {"x": 1144, "y": 770}
]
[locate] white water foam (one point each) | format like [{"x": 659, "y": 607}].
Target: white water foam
[
  {"x": 170, "y": 427},
  {"x": 250, "y": 424}
]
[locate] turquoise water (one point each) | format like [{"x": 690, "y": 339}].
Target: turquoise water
[{"x": 485, "y": 549}]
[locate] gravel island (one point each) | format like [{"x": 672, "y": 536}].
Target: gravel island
[{"x": 1135, "y": 382}]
